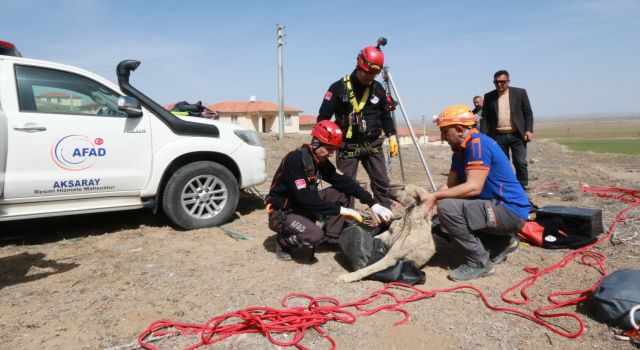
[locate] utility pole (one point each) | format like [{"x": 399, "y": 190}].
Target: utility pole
[{"x": 280, "y": 41}]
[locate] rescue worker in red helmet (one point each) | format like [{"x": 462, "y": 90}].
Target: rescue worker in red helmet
[
  {"x": 295, "y": 200},
  {"x": 360, "y": 107}
]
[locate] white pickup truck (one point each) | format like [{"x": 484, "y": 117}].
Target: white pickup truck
[{"x": 72, "y": 142}]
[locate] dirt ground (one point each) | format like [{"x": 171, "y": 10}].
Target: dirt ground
[{"x": 97, "y": 281}]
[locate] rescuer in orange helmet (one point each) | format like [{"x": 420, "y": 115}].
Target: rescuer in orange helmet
[{"x": 481, "y": 197}]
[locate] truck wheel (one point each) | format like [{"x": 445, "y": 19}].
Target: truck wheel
[{"x": 200, "y": 194}]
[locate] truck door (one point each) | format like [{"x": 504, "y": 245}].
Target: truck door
[{"x": 66, "y": 137}]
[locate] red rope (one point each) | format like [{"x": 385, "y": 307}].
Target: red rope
[{"x": 319, "y": 311}]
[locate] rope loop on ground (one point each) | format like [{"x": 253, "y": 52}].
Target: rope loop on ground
[{"x": 319, "y": 311}]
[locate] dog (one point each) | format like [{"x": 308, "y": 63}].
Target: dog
[{"x": 408, "y": 237}]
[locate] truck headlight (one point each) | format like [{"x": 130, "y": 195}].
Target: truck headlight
[{"x": 248, "y": 136}]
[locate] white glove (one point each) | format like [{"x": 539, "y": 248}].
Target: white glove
[
  {"x": 381, "y": 213},
  {"x": 350, "y": 213}
]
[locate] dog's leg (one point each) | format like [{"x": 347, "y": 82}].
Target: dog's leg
[
  {"x": 388, "y": 261},
  {"x": 385, "y": 237}
]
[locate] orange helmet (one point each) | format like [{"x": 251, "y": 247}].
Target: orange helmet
[
  {"x": 328, "y": 133},
  {"x": 456, "y": 114},
  {"x": 371, "y": 59}
]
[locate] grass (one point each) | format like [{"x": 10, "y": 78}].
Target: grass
[
  {"x": 621, "y": 146},
  {"x": 620, "y": 136},
  {"x": 605, "y": 135}
]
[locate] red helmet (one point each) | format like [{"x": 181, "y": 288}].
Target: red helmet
[
  {"x": 371, "y": 59},
  {"x": 328, "y": 133}
]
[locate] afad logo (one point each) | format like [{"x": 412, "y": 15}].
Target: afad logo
[{"x": 77, "y": 152}]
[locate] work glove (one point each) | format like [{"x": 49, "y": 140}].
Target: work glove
[
  {"x": 351, "y": 214},
  {"x": 393, "y": 147},
  {"x": 381, "y": 213}
]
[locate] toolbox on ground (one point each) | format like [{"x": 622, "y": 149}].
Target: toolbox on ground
[{"x": 579, "y": 221}]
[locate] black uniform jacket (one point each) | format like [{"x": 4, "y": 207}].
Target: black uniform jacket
[
  {"x": 375, "y": 112},
  {"x": 292, "y": 189}
]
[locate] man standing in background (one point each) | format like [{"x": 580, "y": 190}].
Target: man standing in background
[
  {"x": 508, "y": 119},
  {"x": 477, "y": 110}
]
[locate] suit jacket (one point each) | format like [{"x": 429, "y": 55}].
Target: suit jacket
[{"x": 521, "y": 114}]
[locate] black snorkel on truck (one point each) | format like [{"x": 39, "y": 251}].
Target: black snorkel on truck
[{"x": 177, "y": 125}]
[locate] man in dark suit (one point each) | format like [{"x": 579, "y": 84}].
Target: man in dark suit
[{"x": 508, "y": 119}]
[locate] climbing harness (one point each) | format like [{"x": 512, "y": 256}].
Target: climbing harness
[
  {"x": 353, "y": 150},
  {"x": 355, "y": 117},
  {"x": 313, "y": 176}
]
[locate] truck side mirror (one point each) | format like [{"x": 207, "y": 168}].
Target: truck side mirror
[{"x": 130, "y": 105}]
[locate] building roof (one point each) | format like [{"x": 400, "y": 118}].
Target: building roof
[
  {"x": 405, "y": 132},
  {"x": 308, "y": 119},
  {"x": 248, "y": 107}
]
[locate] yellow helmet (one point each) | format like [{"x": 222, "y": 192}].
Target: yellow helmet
[{"x": 457, "y": 114}]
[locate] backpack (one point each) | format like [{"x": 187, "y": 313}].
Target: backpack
[
  {"x": 193, "y": 109},
  {"x": 615, "y": 296}
]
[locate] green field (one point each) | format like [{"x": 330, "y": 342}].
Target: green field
[
  {"x": 601, "y": 136},
  {"x": 605, "y": 135},
  {"x": 621, "y": 146}
]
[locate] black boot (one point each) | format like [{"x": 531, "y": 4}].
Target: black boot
[{"x": 282, "y": 253}]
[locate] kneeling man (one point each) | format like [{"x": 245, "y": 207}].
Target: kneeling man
[
  {"x": 481, "y": 196},
  {"x": 295, "y": 201}
]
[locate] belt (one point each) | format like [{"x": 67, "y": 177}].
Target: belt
[{"x": 354, "y": 150}]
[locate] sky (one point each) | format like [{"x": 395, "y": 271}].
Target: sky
[{"x": 575, "y": 58}]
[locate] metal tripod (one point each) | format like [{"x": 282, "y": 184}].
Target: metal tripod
[
  {"x": 394, "y": 92},
  {"x": 395, "y": 127}
]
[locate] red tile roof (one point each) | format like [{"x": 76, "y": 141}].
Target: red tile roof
[
  {"x": 248, "y": 107},
  {"x": 405, "y": 132},
  {"x": 308, "y": 119}
]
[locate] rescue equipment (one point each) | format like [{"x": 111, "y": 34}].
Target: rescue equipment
[
  {"x": 354, "y": 150},
  {"x": 355, "y": 117},
  {"x": 193, "y": 109},
  {"x": 579, "y": 221},
  {"x": 615, "y": 297},
  {"x": 309, "y": 168}
]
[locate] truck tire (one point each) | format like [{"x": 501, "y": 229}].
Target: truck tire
[{"x": 200, "y": 194}]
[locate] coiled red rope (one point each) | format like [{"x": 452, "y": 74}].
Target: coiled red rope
[{"x": 319, "y": 311}]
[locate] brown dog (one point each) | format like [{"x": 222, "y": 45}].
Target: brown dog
[{"x": 408, "y": 237}]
